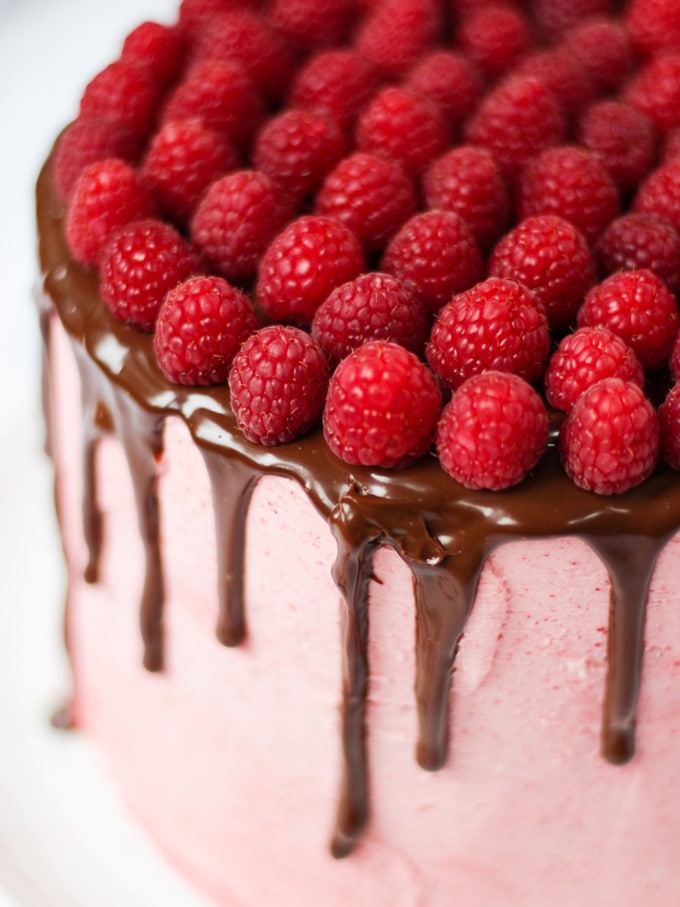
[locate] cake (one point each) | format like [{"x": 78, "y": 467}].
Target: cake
[{"x": 431, "y": 680}]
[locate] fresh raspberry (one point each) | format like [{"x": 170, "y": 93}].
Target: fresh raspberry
[
  {"x": 571, "y": 183},
  {"x": 610, "y": 441},
  {"x": 157, "y": 49},
  {"x": 297, "y": 149},
  {"x": 622, "y": 138},
  {"x": 494, "y": 37},
  {"x": 660, "y": 194},
  {"x": 550, "y": 257},
  {"x": 582, "y": 359},
  {"x": 653, "y": 25},
  {"x": 450, "y": 80},
  {"x": 235, "y": 221},
  {"x": 307, "y": 260},
  {"x": 655, "y": 90},
  {"x": 637, "y": 241},
  {"x": 555, "y": 17},
  {"x": 313, "y": 23},
  {"x": 435, "y": 256},
  {"x": 373, "y": 306},
  {"x": 195, "y": 15},
  {"x": 278, "y": 382},
  {"x": 124, "y": 94},
  {"x": 108, "y": 195},
  {"x": 397, "y": 33},
  {"x": 336, "y": 83},
  {"x": 674, "y": 360},
  {"x": 183, "y": 159},
  {"x": 200, "y": 326},
  {"x": 85, "y": 141},
  {"x": 561, "y": 74},
  {"x": 403, "y": 126},
  {"x": 601, "y": 46},
  {"x": 669, "y": 426},
  {"x": 220, "y": 94},
  {"x": 516, "y": 121},
  {"x": 639, "y": 308},
  {"x": 496, "y": 325},
  {"x": 382, "y": 407},
  {"x": 139, "y": 264},
  {"x": 467, "y": 181},
  {"x": 671, "y": 146},
  {"x": 370, "y": 195},
  {"x": 492, "y": 432}
]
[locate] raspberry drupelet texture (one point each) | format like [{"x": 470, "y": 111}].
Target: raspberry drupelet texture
[
  {"x": 140, "y": 263},
  {"x": 373, "y": 306},
  {"x": 669, "y": 427},
  {"x": 494, "y": 37},
  {"x": 496, "y": 325},
  {"x": 660, "y": 194},
  {"x": 201, "y": 324},
  {"x": 158, "y": 49},
  {"x": 610, "y": 441},
  {"x": 306, "y": 261},
  {"x": 123, "y": 94},
  {"x": 435, "y": 256},
  {"x": 313, "y": 23},
  {"x": 382, "y": 407},
  {"x": 336, "y": 83},
  {"x": 622, "y": 138},
  {"x": 451, "y": 80},
  {"x": 277, "y": 383},
  {"x": 561, "y": 74},
  {"x": 653, "y": 25},
  {"x": 636, "y": 241},
  {"x": 655, "y": 90},
  {"x": 492, "y": 432},
  {"x": 396, "y": 33},
  {"x": 85, "y": 141},
  {"x": 602, "y": 48},
  {"x": 555, "y": 17}
]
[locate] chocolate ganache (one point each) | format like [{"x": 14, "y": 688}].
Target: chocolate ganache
[{"x": 442, "y": 531}]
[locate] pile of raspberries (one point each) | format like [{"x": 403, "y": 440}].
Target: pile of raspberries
[{"x": 431, "y": 226}]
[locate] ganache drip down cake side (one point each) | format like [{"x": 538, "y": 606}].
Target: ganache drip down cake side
[{"x": 360, "y": 346}]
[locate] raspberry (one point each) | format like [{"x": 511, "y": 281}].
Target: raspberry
[
  {"x": 396, "y": 33},
  {"x": 336, "y": 83},
  {"x": 403, "y": 126},
  {"x": 492, "y": 432},
  {"x": 561, "y": 74},
  {"x": 200, "y": 326},
  {"x": 602, "y": 48},
  {"x": 307, "y": 260},
  {"x": 467, "y": 181},
  {"x": 674, "y": 361},
  {"x": 235, "y": 221},
  {"x": 158, "y": 49},
  {"x": 313, "y": 23},
  {"x": 496, "y": 325},
  {"x": 108, "y": 195},
  {"x": 382, "y": 407},
  {"x": 638, "y": 307},
  {"x": 671, "y": 148},
  {"x": 494, "y": 37},
  {"x": 297, "y": 149},
  {"x": 435, "y": 256},
  {"x": 516, "y": 121},
  {"x": 183, "y": 159},
  {"x": 571, "y": 183},
  {"x": 622, "y": 138},
  {"x": 637, "y": 241},
  {"x": 610, "y": 441},
  {"x": 660, "y": 194},
  {"x": 451, "y": 81},
  {"x": 374, "y": 306},
  {"x": 370, "y": 195},
  {"x": 278, "y": 382},
  {"x": 582, "y": 359},
  {"x": 557, "y": 16},
  {"x": 655, "y": 90},
  {"x": 124, "y": 94},
  {"x": 85, "y": 141},
  {"x": 669, "y": 426},
  {"x": 550, "y": 257},
  {"x": 195, "y": 15},
  {"x": 653, "y": 25}
]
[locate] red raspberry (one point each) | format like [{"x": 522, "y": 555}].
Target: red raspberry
[
  {"x": 382, "y": 407},
  {"x": 467, "y": 181},
  {"x": 450, "y": 80},
  {"x": 183, "y": 159},
  {"x": 157, "y": 49},
  {"x": 435, "y": 256},
  {"x": 370, "y": 195},
  {"x": 638, "y": 307},
  {"x": 85, "y": 141},
  {"x": 278, "y": 383},
  {"x": 139, "y": 264},
  {"x": 516, "y": 121},
  {"x": 297, "y": 149},
  {"x": 108, "y": 195},
  {"x": 124, "y": 94},
  {"x": 313, "y": 23},
  {"x": 494, "y": 37},
  {"x": 492, "y": 432},
  {"x": 557, "y": 16},
  {"x": 195, "y": 15},
  {"x": 336, "y": 83},
  {"x": 669, "y": 425},
  {"x": 637, "y": 241},
  {"x": 374, "y": 306},
  {"x": 235, "y": 221},
  {"x": 496, "y": 325},
  {"x": 674, "y": 361},
  {"x": 660, "y": 194},
  {"x": 571, "y": 183},
  {"x": 403, "y": 126},
  {"x": 396, "y": 33},
  {"x": 200, "y": 327},
  {"x": 622, "y": 138},
  {"x": 671, "y": 148},
  {"x": 610, "y": 441},
  {"x": 582, "y": 359},
  {"x": 220, "y": 94},
  {"x": 655, "y": 90},
  {"x": 601, "y": 47},
  {"x": 550, "y": 257},
  {"x": 307, "y": 260},
  {"x": 561, "y": 74},
  {"x": 653, "y": 25}
]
